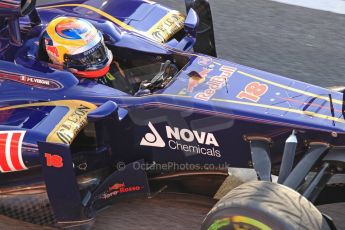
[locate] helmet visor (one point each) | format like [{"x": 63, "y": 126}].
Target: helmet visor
[{"x": 92, "y": 59}]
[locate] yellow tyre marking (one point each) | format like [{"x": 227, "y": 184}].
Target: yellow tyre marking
[
  {"x": 251, "y": 221},
  {"x": 236, "y": 223}
]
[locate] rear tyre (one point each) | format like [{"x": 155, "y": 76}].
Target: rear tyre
[{"x": 264, "y": 205}]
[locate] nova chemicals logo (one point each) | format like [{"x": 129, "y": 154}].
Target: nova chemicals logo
[
  {"x": 152, "y": 139},
  {"x": 185, "y": 140}
]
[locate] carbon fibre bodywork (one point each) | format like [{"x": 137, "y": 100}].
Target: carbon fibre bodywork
[{"x": 66, "y": 137}]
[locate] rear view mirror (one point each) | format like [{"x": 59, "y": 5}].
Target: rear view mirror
[
  {"x": 191, "y": 23},
  {"x": 16, "y": 8}
]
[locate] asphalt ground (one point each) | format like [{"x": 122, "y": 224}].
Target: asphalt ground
[
  {"x": 292, "y": 41},
  {"x": 296, "y": 42},
  {"x": 165, "y": 211}
]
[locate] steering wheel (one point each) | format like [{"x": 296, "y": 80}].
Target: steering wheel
[{"x": 162, "y": 73}]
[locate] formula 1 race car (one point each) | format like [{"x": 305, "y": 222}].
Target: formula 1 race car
[{"x": 69, "y": 146}]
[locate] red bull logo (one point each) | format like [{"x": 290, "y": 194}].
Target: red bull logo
[
  {"x": 197, "y": 78},
  {"x": 215, "y": 83}
]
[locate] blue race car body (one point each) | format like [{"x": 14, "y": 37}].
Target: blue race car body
[{"x": 58, "y": 131}]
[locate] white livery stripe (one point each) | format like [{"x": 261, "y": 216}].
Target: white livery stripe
[
  {"x": 20, "y": 156},
  {"x": 8, "y": 151},
  {"x": 11, "y": 158}
]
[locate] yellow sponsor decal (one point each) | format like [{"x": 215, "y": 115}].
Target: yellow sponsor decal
[
  {"x": 72, "y": 122},
  {"x": 167, "y": 27}
]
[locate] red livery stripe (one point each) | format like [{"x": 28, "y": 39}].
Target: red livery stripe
[
  {"x": 3, "y": 162},
  {"x": 11, "y": 151}
]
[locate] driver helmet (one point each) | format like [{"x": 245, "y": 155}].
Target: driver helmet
[{"x": 74, "y": 43}]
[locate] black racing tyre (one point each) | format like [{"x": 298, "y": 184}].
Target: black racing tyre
[{"x": 264, "y": 205}]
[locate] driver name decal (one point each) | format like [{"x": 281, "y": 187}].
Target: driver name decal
[
  {"x": 215, "y": 83},
  {"x": 37, "y": 82},
  {"x": 184, "y": 140}
]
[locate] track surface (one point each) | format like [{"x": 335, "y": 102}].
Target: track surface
[
  {"x": 166, "y": 211},
  {"x": 292, "y": 41}
]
